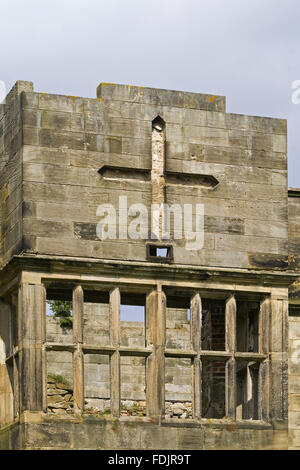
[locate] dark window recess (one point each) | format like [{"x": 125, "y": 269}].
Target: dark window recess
[
  {"x": 162, "y": 254},
  {"x": 247, "y": 320},
  {"x": 213, "y": 325},
  {"x": 213, "y": 389}
]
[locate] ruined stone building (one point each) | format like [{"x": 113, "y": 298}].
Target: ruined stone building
[{"x": 174, "y": 342}]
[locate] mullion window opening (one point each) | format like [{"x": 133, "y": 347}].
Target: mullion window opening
[
  {"x": 213, "y": 388},
  {"x": 178, "y": 320},
  {"x": 213, "y": 325},
  {"x": 247, "y": 380},
  {"x": 96, "y": 318},
  {"x": 97, "y": 386},
  {"x": 247, "y": 326},
  {"x": 133, "y": 336},
  {"x": 10, "y": 391},
  {"x": 178, "y": 388},
  {"x": 59, "y": 364},
  {"x": 133, "y": 320},
  {"x": 133, "y": 367},
  {"x": 59, "y": 315},
  {"x": 133, "y": 386},
  {"x": 9, "y": 357},
  {"x": 132, "y": 313},
  {"x": 60, "y": 389},
  {"x": 96, "y": 332}
]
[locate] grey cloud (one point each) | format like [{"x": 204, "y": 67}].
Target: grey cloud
[{"x": 247, "y": 50}]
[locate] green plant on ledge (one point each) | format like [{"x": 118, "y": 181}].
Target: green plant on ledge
[
  {"x": 59, "y": 379},
  {"x": 62, "y": 309}
]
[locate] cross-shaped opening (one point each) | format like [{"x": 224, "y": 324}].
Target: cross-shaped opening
[{"x": 158, "y": 124}]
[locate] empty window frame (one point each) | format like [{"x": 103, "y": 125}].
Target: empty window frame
[
  {"x": 247, "y": 326},
  {"x": 178, "y": 322},
  {"x": 213, "y": 388},
  {"x": 96, "y": 320},
  {"x": 130, "y": 353},
  {"x": 133, "y": 386},
  {"x": 9, "y": 361},
  {"x": 213, "y": 325},
  {"x": 59, "y": 320},
  {"x": 97, "y": 384},
  {"x": 247, "y": 385},
  {"x": 178, "y": 388},
  {"x": 133, "y": 320},
  {"x": 60, "y": 390}
]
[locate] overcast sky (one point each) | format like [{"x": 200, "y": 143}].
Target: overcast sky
[{"x": 247, "y": 50}]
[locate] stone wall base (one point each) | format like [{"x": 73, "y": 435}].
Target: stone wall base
[{"x": 101, "y": 434}]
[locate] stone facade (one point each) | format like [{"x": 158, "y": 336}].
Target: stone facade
[{"x": 213, "y": 364}]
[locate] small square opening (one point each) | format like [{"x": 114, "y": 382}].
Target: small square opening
[{"x": 160, "y": 253}]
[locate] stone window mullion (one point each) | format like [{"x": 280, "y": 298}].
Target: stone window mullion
[
  {"x": 230, "y": 341},
  {"x": 115, "y": 385},
  {"x": 31, "y": 311},
  {"x": 264, "y": 347},
  {"x": 43, "y": 341},
  {"x": 78, "y": 306},
  {"x": 156, "y": 338},
  {"x": 196, "y": 314}
]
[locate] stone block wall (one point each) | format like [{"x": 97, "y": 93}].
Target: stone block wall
[
  {"x": 66, "y": 140},
  {"x": 59, "y": 396},
  {"x": 11, "y": 178}
]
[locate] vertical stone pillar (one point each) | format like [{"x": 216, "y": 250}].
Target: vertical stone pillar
[
  {"x": 276, "y": 310},
  {"x": 115, "y": 386},
  {"x": 78, "y": 307},
  {"x": 264, "y": 324},
  {"x": 264, "y": 369},
  {"x": 15, "y": 343},
  {"x": 196, "y": 316},
  {"x": 32, "y": 336},
  {"x": 156, "y": 337},
  {"x": 230, "y": 341}
]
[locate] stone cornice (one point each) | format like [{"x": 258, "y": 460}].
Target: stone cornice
[{"x": 145, "y": 270}]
